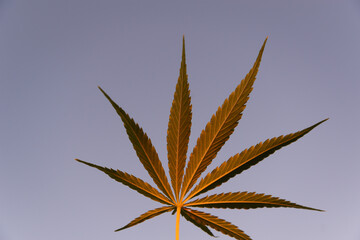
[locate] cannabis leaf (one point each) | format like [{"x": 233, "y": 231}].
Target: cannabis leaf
[{"x": 212, "y": 138}]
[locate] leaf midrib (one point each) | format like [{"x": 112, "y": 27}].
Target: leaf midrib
[
  {"x": 194, "y": 204},
  {"x": 178, "y": 183}
]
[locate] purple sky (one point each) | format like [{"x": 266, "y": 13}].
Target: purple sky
[{"x": 54, "y": 54}]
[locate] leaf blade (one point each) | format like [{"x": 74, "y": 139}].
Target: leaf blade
[
  {"x": 178, "y": 132},
  {"x": 217, "y": 224},
  {"x": 220, "y": 127},
  {"x": 196, "y": 222},
  {"x": 133, "y": 182},
  {"x": 144, "y": 149},
  {"x": 247, "y": 158},
  {"x": 244, "y": 200},
  {"x": 145, "y": 216}
]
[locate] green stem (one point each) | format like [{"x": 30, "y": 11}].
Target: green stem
[{"x": 178, "y": 209}]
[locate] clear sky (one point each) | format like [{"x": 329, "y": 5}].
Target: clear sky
[{"x": 54, "y": 54}]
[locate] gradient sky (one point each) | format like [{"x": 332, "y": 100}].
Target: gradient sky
[{"x": 54, "y": 54}]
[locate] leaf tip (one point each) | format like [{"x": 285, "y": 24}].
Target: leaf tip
[
  {"x": 313, "y": 209},
  {"x": 322, "y": 121},
  {"x": 319, "y": 210},
  {"x": 183, "y": 49},
  {"x": 117, "y": 230},
  {"x": 100, "y": 89},
  {"x": 263, "y": 46}
]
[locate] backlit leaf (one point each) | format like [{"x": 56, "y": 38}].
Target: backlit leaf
[
  {"x": 133, "y": 182},
  {"x": 243, "y": 200},
  {"x": 220, "y": 127},
  {"x": 144, "y": 149},
  {"x": 196, "y": 222},
  {"x": 217, "y": 224},
  {"x": 245, "y": 160},
  {"x": 179, "y": 128},
  {"x": 145, "y": 216},
  {"x": 215, "y": 134}
]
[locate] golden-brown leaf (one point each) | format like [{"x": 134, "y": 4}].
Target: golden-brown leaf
[
  {"x": 243, "y": 200},
  {"x": 217, "y": 131},
  {"x": 144, "y": 149},
  {"x": 133, "y": 182},
  {"x": 217, "y": 224},
  {"x": 145, "y": 216},
  {"x": 179, "y": 128},
  {"x": 245, "y": 160},
  {"x": 220, "y": 127},
  {"x": 196, "y": 222}
]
